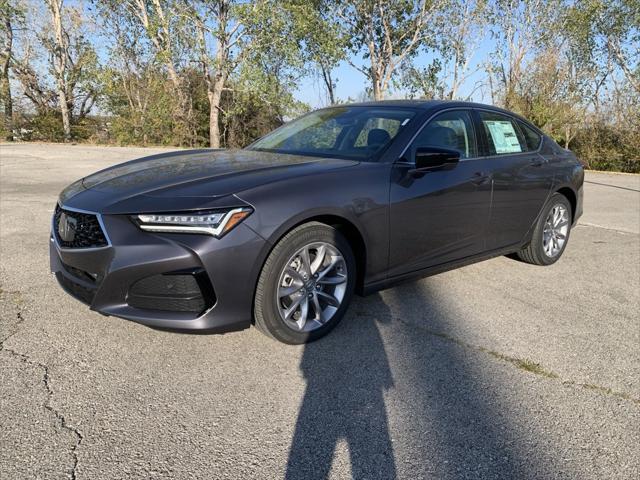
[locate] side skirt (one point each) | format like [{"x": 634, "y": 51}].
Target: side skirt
[{"x": 434, "y": 270}]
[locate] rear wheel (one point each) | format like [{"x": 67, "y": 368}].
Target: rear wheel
[
  {"x": 305, "y": 285},
  {"x": 551, "y": 233}
]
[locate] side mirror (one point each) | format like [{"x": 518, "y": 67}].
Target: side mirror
[{"x": 435, "y": 157}]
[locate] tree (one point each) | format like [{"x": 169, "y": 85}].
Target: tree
[
  {"x": 458, "y": 39},
  {"x": 59, "y": 49},
  {"x": 168, "y": 32},
  {"x": 10, "y": 15},
  {"x": 387, "y": 34},
  {"x": 606, "y": 34},
  {"x": 461, "y": 35},
  {"x": 233, "y": 38},
  {"x": 325, "y": 42},
  {"x": 218, "y": 21},
  {"x": 519, "y": 27}
]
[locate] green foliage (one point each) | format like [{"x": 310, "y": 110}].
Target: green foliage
[
  {"x": 142, "y": 113},
  {"x": 603, "y": 146},
  {"x": 161, "y": 70}
]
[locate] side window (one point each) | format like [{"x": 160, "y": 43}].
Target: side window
[
  {"x": 531, "y": 137},
  {"x": 501, "y": 133},
  {"x": 452, "y": 130}
]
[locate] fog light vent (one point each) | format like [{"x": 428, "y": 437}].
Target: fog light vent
[{"x": 173, "y": 292}]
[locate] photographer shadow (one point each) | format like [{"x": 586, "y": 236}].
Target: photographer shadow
[
  {"x": 347, "y": 373},
  {"x": 451, "y": 419}
]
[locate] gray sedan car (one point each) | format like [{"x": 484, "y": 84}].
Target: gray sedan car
[{"x": 280, "y": 235}]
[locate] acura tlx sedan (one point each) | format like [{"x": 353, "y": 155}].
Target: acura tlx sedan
[{"x": 345, "y": 199}]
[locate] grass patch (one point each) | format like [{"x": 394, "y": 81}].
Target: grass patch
[{"x": 521, "y": 363}]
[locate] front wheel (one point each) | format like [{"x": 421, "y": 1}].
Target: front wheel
[
  {"x": 551, "y": 233},
  {"x": 305, "y": 285}
]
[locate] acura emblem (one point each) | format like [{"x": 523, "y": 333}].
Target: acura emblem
[{"x": 67, "y": 227}]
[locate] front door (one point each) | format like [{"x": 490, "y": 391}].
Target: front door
[{"x": 439, "y": 215}]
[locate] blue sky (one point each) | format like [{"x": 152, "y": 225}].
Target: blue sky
[{"x": 352, "y": 84}]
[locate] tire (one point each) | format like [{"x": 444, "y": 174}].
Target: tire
[
  {"x": 542, "y": 250},
  {"x": 284, "y": 271}
]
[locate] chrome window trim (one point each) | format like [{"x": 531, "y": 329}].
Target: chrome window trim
[
  {"x": 468, "y": 109},
  {"x": 80, "y": 249}
]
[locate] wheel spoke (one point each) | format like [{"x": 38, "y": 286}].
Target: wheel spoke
[
  {"x": 317, "y": 308},
  {"x": 293, "y": 307},
  {"x": 330, "y": 299},
  {"x": 548, "y": 247},
  {"x": 306, "y": 261},
  {"x": 304, "y": 312},
  {"x": 318, "y": 261},
  {"x": 337, "y": 280},
  {"x": 294, "y": 274},
  {"x": 288, "y": 291},
  {"x": 328, "y": 268}
]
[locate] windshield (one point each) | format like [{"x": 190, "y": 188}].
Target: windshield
[{"x": 359, "y": 133}]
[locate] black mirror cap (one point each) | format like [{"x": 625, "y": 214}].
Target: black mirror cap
[{"x": 434, "y": 157}]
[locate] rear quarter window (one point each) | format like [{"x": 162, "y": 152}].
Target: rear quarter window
[{"x": 531, "y": 137}]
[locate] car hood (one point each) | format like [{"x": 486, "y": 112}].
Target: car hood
[{"x": 204, "y": 174}]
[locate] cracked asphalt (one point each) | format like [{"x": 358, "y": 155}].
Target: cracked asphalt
[{"x": 496, "y": 370}]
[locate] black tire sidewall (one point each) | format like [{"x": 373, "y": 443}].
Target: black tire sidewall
[{"x": 265, "y": 305}]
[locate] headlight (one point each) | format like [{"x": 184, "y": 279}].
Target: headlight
[{"x": 215, "y": 223}]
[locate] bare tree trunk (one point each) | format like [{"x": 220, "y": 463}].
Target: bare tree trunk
[
  {"x": 216, "y": 76},
  {"x": 378, "y": 92},
  {"x": 215, "y": 95},
  {"x": 328, "y": 83},
  {"x": 5, "y": 84},
  {"x": 156, "y": 24},
  {"x": 60, "y": 65}
]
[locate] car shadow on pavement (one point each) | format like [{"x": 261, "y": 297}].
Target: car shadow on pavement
[{"x": 449, "y": 420}]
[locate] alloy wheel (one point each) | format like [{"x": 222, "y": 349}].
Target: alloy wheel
[
  {"x": 311, "y": 286},
  {"x": 556, "y": 228}
]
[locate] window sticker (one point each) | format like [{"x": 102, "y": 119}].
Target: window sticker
[{"x": 504, "y": 136}]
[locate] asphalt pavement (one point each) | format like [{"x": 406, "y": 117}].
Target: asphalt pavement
[{"x": 496, "y": 370}]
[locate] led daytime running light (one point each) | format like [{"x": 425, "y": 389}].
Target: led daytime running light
[{"x": 215, "y": 224}]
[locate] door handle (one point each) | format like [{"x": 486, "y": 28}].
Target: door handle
[
  {"x": 480, "y": 178},
  {"x": 538, "y": 162}
]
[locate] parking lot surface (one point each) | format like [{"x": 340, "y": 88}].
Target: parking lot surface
[{"x": 496, "y": 370}]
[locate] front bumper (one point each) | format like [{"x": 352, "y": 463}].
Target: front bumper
[{"x": 103, "y": 277}]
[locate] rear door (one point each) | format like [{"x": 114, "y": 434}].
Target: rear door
[
  {"x": 439, "y": 215},
  {"x": 522, "y": 178}
]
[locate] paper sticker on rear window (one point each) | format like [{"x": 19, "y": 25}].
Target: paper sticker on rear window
[{"x": 504, "y": 136}]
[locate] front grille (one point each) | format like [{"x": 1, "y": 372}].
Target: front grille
[
  {"x": 76, "y": 290},
  {"x": 86, "y": 231},
  {"x": 189, "y": 292}
]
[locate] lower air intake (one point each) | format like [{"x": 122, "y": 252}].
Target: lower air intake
[{"x": 188, "y": 292}]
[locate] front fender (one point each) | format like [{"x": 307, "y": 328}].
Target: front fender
[{"x": 360, "y": 197}]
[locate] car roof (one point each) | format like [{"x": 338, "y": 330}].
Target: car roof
[
  {"x": 435, "y": 105},
  {"x": 424, "y": 104}
]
